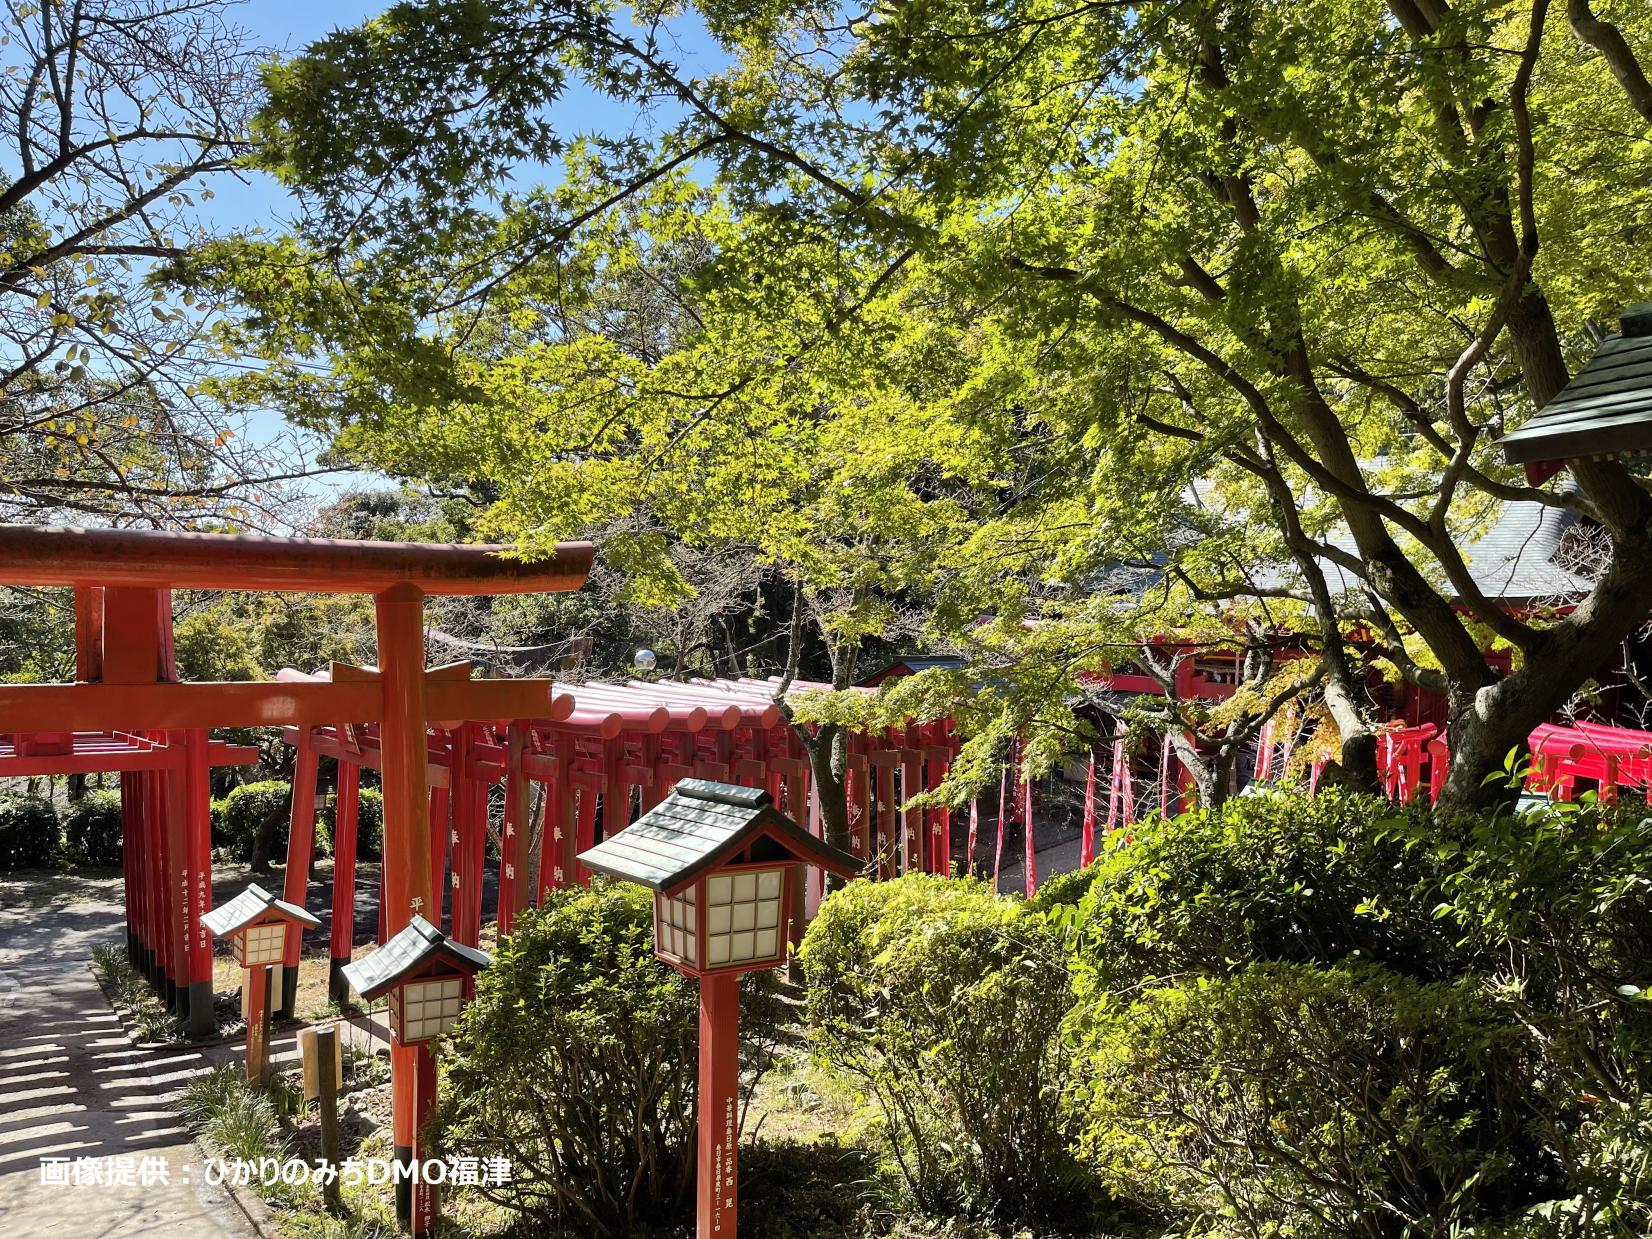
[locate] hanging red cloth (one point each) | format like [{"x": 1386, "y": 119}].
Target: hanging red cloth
[
  {"x": 1003, "y": 794},
  {"x": 1164, "y": 777},
  {"x": 1032, "y": 863},
  {"x": 1087, "y": 851},
  {"x": 1127, "y": 787},
  {"x": 1113, "y": 790},
  {"x": 974, "y": 831}
]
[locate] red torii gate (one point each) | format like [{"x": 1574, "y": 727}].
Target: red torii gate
[
  {"x": 122, "y": 581},
  {"x": 164, "y": 778},
  {"x": 603, "y": 752}
]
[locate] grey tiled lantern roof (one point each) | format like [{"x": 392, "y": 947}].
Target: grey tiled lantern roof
[
  {"x": 251, "y": 905},
  {"x": 700, "y": 825},
  {"x": 417, "y": 945},
  {"x": 1606, "y": 410}
]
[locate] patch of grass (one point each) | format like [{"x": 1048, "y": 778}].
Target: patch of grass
[
  {"x": 208, "y": 1094},
  {"x": 363, "y": 1069},
  {"x": 314, "y": 1224},
  {"x": 153, "y": 1024},
  {"x": 110, "y": 966},
  {"x": 286, "y": 1093},
  {"x": 791, "y": 1189},
  {"x": 244, "y": 1127}
]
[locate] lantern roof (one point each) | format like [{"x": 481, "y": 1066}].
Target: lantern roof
[
  {"x": 701, "y": 825},
  {"x": 251, "y": 905},
  {"x": 417, "y": 945},
  {"x": 1606, "y": 410}
]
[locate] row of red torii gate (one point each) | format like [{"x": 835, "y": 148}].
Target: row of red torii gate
[
  {"x": 604, "y": 754},
  {"x": 573, "y": 764}
]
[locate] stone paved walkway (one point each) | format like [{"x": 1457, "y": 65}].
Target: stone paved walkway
[{"x": 72, "y": 1086}]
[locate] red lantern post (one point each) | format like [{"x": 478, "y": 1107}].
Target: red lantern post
[{"x": 723, "y": 863}]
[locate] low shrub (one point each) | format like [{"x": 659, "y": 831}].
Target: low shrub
[
  {"x": 254, "y": 820},
  {"x": 801, "y": 1190},
  {"x": 92, "y": 829},
  {"x": 370, "y": 824},
  {"x": 1553, "y": 911},
  {"x": 1065, "y": 890},
  {"x": 1313, "y": 1101},
  {"x": 945, "y": 1002},
  {"x": 575, "y": 1061},
  {"x": 30, "y": 834},
  {"x": 1338, "y": 877}
]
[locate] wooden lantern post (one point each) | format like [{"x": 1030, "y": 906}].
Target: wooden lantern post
[
  {"x": 723, "y": 864},
  {"x": 425, "y": 975},
  {"x": 258, "y": 923}
]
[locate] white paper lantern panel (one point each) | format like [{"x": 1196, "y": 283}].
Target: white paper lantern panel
[{"x": 743, "y": 917}]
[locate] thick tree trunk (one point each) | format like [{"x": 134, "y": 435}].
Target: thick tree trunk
[
  {"x": 1356, "y": 765},
  {"x": 1498, "y": 718},
  {"x": 829, "y": 762},
  {"x": 263, "y": 842},
  {"x": 1207, "y": 771}
]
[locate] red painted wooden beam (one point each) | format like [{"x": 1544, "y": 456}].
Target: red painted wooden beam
[{"x": 43, "y": 555}]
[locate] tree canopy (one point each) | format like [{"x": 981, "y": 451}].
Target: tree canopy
[{"x": 1113, "y": 321}]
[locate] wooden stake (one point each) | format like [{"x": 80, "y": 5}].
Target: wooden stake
[
  {"x": 322, "y": 1052},
  {"x": 718, "y": 1170}
]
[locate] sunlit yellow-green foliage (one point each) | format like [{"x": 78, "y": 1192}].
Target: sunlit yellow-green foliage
[{"x": 996, "y": 314}]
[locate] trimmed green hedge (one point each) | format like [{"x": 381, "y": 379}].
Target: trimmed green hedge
[
  {"x": 30, "y": 834},
  {"x": 945, "y": 1003},
  {"x": 576, "y": 1062},
  {"x": 92, "y": 829}
]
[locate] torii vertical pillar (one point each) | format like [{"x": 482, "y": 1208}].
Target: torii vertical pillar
[
  {"x": 342, "y": 935},
  {"x": 408, "y": 885}
]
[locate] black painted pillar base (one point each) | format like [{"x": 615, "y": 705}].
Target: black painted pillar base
[
  {"x": 289, "y": 992},
  {"x": 169, "y": 994},
  {"x": 338, "y": 989},
  {"x": 404, "y": 1186},
  {"x": 201, "y": 1022}
]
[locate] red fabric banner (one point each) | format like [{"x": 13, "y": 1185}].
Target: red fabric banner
[
  {"x": 974, "y": 830},
  {"x": 1164, "y": 777},
  {"x": 1087, "y": 852},
  {"x": 998, "y": 854},
  {"x": 1032, "y": 862}
]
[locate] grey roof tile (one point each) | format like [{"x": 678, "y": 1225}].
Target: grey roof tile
[
  {"x": 418, "y": 944},
  {"x": 251, "y": 905},
  {"x": 1606, "y": 410},
  {"x": 699, "y": 825}
]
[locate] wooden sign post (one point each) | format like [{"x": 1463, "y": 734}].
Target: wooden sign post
[
  {"x": 424, "y": 975},
  {"x": 258, "y": 923},
  {"x": 323, "y": 1078},
  {"x": 257, "y": 1002}
]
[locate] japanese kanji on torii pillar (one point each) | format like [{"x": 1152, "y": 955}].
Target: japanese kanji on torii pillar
[{"x": 127, "y": 687}]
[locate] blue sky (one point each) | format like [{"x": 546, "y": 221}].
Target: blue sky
[{"x": 288, "y": 26}]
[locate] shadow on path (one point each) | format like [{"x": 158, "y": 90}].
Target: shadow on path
[{"x": 73, "y": 1087}]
